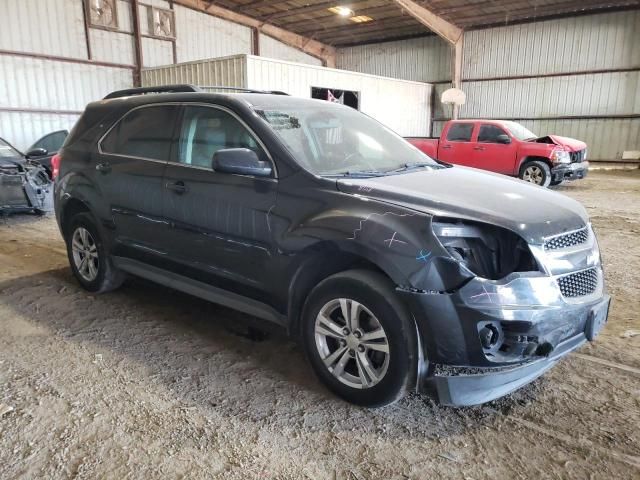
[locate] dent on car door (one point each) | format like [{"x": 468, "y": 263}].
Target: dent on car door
[
  {"x": 218, "y": 222},
  {"x": 128, "y": 170},
  {"x": 456, "y": 146}
]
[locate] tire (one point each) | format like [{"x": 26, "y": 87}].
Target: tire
[
  {"x": 97, "y": 274},
  {"x": 536, "y": 172},
  {"x": 359, "y": 370}
]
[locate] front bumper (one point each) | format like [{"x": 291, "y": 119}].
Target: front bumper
[
  {"x": 570, "y": 171},
  {"x": 460, "y": 371}
]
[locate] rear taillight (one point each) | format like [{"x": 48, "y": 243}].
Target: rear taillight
[{"x": 55, "y": 166}]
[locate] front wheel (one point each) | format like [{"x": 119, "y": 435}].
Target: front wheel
[
  {"x": 536, "y": 172},
  {"x": 359, "y": 339}
]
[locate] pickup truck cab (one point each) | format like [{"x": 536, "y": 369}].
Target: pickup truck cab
[{"x": 509, "y": 148}]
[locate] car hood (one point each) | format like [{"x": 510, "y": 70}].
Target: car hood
[
  {"x": 532, "y": 212},
  {"x": 571, "y": 144}
]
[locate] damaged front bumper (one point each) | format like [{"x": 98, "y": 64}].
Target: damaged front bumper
[
  {"x": 490, "y": 337},
  {"x": 570, "y": 171}
]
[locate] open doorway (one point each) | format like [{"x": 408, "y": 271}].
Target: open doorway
[{"x": 345, "y": 97}]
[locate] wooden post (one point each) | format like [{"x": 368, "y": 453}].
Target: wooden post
[{"x": 137, "y": 39}]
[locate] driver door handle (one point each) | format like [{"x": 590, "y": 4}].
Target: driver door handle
[
  {"x": 478, "y": 148},
  {"x": 446, "y": 146},
  {"x": 178, "y": 187},
  {"x": 103, "y": 167}
]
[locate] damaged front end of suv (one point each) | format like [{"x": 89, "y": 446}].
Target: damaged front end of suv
[
  {"x": 522, "y": 307},
  {"x": 24, "y": 186}
]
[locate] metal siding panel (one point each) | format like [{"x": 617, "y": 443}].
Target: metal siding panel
[
  {"x": 227, "y": 71},
  {"x": 107, "y": 46},
  {"x": 23, "y": 129},
  {"x": 203, "y": 36},
  {"x": 402, "y": 105},
  {"x": 65, "y": 86},
  {"x": 615, "y": 93},
  {"x": 272, "y": 48},
  {"x": 554, "y": 46},
  {"x": 54, "y": 27},
  {"x": 156, "y": 52},
  {"x": 426, "y": 59}
]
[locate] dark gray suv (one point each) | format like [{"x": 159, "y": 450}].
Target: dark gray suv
[{"x": 395, "y": 271}]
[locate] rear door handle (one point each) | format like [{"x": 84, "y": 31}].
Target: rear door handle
[
  {"x": 178, "y": 187},
  {"x": 446, "y": 146},
  {"x": 104, "y": 167},
  {"x": 478, "y": 148}
]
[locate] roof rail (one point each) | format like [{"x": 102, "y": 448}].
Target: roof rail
[
  {"x": 240, "y": 89},
  {"x": 159, "y": 89}
]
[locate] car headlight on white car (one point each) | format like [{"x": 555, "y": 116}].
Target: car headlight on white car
[{"x": 560, "y": 156}]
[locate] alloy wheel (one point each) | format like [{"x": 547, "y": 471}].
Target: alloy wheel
[
  {"x": 85, "y": 254},
  {"x": 533, "y": 174},
  {"x": 352, "y": 343}
]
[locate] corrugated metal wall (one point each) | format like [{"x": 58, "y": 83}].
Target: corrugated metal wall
[
  {"x": 595, "y": 60},
  {"x": 40, "y": 95},
  {"x": 426, "y": 59},
  {"x": 226, "y": 71},
  {"x": 272, "y": 48}
]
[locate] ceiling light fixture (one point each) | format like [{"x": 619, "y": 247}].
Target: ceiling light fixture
[
  {"x": 361, "y": 19},
  {"x": 342, "y": 11}
]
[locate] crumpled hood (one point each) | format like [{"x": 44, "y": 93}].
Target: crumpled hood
[
  {"x": 459, "y": 192},
  {"x": 570, "y": 144}
]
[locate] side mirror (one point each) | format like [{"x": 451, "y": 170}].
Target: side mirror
[
  {"x": 504, "y": 138},
  {"x": 37, "y": 152},
  {"x": 240, "y": 161}
]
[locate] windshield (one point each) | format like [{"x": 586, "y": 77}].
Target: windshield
[
  {"x": 7, "y": 151},
  {"x": 520, "y": 132},
  {"x": 333, "y": 140}
]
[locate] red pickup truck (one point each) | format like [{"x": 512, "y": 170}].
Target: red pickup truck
[{"x": 509, "y": 148}]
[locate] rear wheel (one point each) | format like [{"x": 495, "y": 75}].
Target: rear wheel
[
  {"x": 359, "y": 338},
  {"x": 90, "y": 263},
  {"x": 536, "y": 172}
]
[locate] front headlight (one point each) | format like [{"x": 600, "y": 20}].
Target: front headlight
[
  {"x": 486, "y": 250},
  {"x": 560, "y": 156}
]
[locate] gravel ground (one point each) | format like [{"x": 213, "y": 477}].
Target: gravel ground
[{"x": 145, "y": 382}]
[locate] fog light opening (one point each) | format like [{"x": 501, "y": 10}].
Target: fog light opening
[{"x": 489, "y": 336}]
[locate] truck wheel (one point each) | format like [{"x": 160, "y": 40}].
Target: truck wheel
[
  {"x": 90, "y": 263},
  {"x": 359, "y": 339},
  {"x": 536, "y": 172}
]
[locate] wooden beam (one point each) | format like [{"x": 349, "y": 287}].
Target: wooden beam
[
  {"x": 137, "y": 40},
  {"x": 325, "y": 52},
  {"x": 450, "y": 32},
  {"x": 456, "y": 74},
  {"x": 255, "y": 44}
]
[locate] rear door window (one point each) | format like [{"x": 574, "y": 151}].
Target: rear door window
[
  {"x": 490, "y": 133},
  {"x": 460, "y": 132},
  {"x": 143, "y": 133}
]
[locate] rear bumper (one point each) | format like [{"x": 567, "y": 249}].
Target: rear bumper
[{"x": 571, "y": 171}]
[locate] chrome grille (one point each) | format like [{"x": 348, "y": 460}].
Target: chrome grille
[
  {"x": 577, "y": 157},
  {"x": 567, "y": 240},
  {"x": 579, "y": 284}
]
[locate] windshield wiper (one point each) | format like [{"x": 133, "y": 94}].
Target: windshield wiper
[
  {"x": 356, "y": 173},
  {"x": 412, "y": 165}
]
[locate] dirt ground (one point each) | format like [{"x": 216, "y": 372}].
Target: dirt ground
[{"x": 145, "y": 382}]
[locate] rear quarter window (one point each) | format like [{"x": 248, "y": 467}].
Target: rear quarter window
[{"x": 460, "y": 132}]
